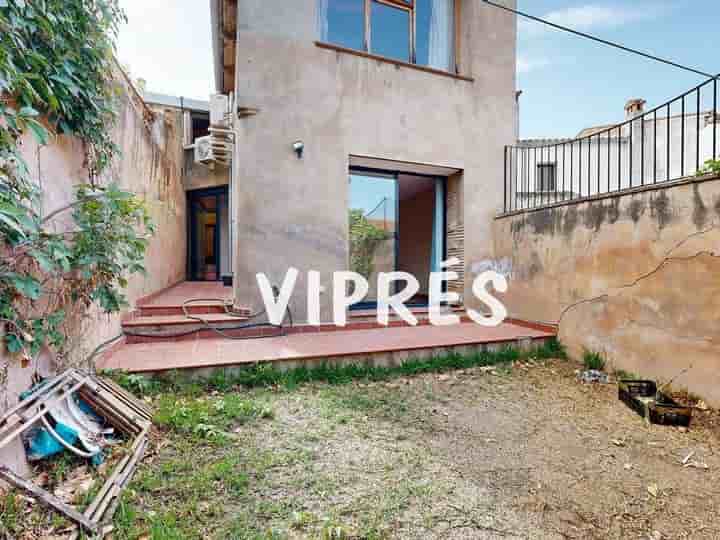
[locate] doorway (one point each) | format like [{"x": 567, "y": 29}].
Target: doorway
[
  {"x": 396, "y": 223},
  {"x": 208, "y": 234}
]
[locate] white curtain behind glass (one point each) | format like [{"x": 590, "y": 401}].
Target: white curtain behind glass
[
  {"x": 322, "y": 19},
  {"x": 441, "y": 34}
]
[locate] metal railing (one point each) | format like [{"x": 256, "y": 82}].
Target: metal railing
[{"x": 670, "y": 142}]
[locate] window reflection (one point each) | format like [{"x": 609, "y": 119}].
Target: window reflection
[
  {"x": 390, "y": 32},
  {"x": 342, "y": 22}
]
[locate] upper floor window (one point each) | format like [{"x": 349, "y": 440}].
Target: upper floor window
[
  {"x": 195, "y": 125},
  {"x": 414, "y": 31}
]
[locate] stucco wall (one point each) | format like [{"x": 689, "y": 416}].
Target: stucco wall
[
  {"x": 632, "y": 276},
  {"x": 150, "y": 166},
  {"x": 293, "y": 211}
]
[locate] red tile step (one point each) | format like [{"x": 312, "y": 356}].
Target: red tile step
[
  {"x": 178, "y": 327},
  {"x": 195, "y": 308}
]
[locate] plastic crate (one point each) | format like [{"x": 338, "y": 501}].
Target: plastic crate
[{"x": 643, "y": 398}]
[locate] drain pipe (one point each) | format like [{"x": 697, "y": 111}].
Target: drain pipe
[{"x": 224, "y": 146}]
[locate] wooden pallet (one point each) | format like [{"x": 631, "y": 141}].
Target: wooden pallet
[{"x": 119, "y": 408}]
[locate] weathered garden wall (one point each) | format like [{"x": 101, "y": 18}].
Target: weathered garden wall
[
  {"x": 635, "y": 276},
  {"x": 150, "y": 165}
]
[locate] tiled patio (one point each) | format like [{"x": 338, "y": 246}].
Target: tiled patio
[
  {"x": 187, "y": 290},
  {"x": 379, "y": 345}
]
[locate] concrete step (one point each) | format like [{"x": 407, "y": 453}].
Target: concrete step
[
  {"x": 178, "y": 327},
  {"x": 196, "y": 308}
]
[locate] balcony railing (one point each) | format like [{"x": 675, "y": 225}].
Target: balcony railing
[{"x": 670, "y": 142}]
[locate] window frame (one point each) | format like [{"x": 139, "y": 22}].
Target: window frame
[
  {"x": 542, "y": 174},
  {"x": 404, "y": 5},
  {"x": 410, "y": 7}
]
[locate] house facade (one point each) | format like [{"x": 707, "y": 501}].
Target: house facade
[
  {"x": 389, "y": 114},
  {"x": 670, "y": 142}
]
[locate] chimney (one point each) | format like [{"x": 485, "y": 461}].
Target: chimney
[{"x": 634, "y": 108}]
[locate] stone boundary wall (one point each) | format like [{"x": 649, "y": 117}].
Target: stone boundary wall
[{"x": 633, "y": 275}]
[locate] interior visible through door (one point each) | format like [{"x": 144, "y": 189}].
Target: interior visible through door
[{"x": 208, "y": 235}]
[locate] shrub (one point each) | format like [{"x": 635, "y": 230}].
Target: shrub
[{"x": 594, "y": 360}]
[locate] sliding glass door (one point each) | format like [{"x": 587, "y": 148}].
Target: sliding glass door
[{"x": 373, "y": 217}]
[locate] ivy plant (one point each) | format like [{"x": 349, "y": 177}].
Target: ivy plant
[
  {"x": 712, "y": 166},
  {"x": 56, "y": 77},
  {"x": 365, "y": 239}
]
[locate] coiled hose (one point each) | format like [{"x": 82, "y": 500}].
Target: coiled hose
[{"x": 223, "y": 332}]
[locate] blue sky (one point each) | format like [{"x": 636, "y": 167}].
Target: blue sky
[{"x": 569, "y": 83}]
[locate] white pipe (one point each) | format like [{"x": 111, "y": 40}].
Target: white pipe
[{"x": 62, "y": 441}]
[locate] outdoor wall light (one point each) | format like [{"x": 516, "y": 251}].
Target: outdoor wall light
[{"x": 299, "y": 146}]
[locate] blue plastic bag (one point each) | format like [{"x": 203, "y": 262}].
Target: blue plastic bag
[{"x": 43, "y": 445}]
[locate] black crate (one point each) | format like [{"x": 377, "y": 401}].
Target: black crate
[
  {"x": 669, "y": 413},
  {"x": 643, "y": 398}
]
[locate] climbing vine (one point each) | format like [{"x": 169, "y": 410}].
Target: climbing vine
[
  {"x": 56, "y": 77},
  {"x": 365, "y": 238}
]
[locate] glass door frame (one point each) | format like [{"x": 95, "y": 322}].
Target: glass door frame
[
  {"x": 441, "y": 196},
  {"x": 193, "y": 196}
]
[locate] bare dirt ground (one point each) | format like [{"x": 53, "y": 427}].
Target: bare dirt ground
[{"x": 505, "y": 453}]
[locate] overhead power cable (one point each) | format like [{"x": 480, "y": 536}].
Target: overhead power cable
[{"x": 603, "y": 41}]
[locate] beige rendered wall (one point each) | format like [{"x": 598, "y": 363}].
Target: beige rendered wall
[
  {"x": 150, "y": 165},
  {"x": 632, "y": 276},
  {"x": 293, "y": 212}
]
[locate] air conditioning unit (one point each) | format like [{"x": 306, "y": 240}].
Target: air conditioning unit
[
  {"x": 204, "y": 150},
  {"x": 219, "y": 110}
]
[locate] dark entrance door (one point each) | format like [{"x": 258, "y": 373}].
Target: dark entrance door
[{"x": 207, "y": 211}]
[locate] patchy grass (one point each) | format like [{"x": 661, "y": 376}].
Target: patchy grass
[
  {"x": 209, "y": 417},
  {"x": 11, "y": 523},
  {"x": 594, "y": 360},
  {"x": 622, "y": 375},
  {"x": 487, "y": 451},
  {"x": 266, "y": 375},
  {"x": 464, "y": 453}
]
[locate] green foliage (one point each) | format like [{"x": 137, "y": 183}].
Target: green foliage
[
  {"x": 56, "y": 61},
  {"x": 711, "y": 167},
  {"x": 365, "y": 238},
  {"x": 10, "y": 514},
  {"x": 593, "y": 360},
  {"x": 207, "y": 418},
  {"x": 56, "y": 76}
]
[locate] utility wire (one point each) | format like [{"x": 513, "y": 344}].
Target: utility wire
[{"x": 603, "y": 41}]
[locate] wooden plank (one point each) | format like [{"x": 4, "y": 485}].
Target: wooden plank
[
  {"x": 30, "y": 400},
  {"x": 112, "y": 416},
  {"x": 47, "y": 499},
  {"x": 116, "y": 409},
  {"x": 90, "y": 511},
  {"x": 458, "y": 34},
  {"x": 112, "y": 385},
  {"x": 128, "y": 398},
  {"x": 27, "y": 423},
  {"x": 127, "y": 476}
]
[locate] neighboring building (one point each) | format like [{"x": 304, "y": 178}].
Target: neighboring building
[
  {"x": 340, "y": 105},
  {"x": 598, "y": 160}
]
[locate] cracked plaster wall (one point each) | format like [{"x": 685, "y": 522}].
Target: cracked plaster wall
[{"x": 635, "y": 276}]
